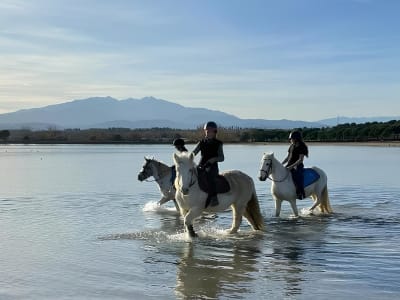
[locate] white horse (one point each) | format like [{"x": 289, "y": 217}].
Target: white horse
[
  {"x": 283, "y": 188},
  {"x": 163, "y": 175},
  {"x": 242, "y": 197}
]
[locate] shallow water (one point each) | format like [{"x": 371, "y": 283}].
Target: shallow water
[{"x": 76, "y": 223}]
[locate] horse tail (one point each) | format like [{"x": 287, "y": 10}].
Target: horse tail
[
  {"x": 325, "y": 205},
  {"x": 253, "y": 212}
]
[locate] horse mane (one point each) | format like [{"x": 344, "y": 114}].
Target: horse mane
[
  {"x": 152, "y": 158},
  {"x": 185, "y": 157},
  {"x": 270, "y": 154}
]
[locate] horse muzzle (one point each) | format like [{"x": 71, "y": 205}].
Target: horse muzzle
[
  {"x": 184, "y": 191},
  {"x": 262, "y": 178},
  {"x": 140, "y": 177}
]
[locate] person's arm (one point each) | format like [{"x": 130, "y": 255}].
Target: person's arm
[
  {"x": 296, "y": 163},
  {"x": 219, "y": 158},
  {"x": 196, "y": 149}
]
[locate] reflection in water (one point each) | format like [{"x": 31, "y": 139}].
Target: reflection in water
[
  {"x": 293, "y": 245},
  {"x": 288, "y": 267},
  {"x": 211, "y": 268},
  {"x": 282, "y": 258}
]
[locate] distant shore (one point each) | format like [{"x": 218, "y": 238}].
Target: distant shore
[
  {"x": 314, "y": 143},
  {"x": 371, "y": 144}
]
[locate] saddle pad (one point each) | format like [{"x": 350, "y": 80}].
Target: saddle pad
[
  {"x": 222, "y": 183},
  {"x": 310, "y": 176}
]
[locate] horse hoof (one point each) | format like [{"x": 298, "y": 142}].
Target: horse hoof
[{"x": 192, "y": 234}]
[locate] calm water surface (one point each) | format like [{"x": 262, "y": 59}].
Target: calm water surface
[{"x": 76, "y": 224}]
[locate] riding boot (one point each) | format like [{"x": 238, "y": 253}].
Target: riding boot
[
  {"x": 300, "y": 193},
  {"x": 212, "y": 200}
]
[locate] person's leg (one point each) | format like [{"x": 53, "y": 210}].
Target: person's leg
[
  {"x": 212, "y": 185},
  {"x": 300, "y": 174},
  {"x": 296, "y": 181}
]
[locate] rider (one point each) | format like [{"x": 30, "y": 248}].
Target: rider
[
  {"x": 297, "y": 150},
  {"x": 180, "y": 145},
  {"x": 211, "y": 153}
]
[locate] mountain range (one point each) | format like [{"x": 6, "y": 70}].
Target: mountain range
[{"x": 148, "y": 112}]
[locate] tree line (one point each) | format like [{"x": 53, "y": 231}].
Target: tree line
[{"x": 350, "y": 132}]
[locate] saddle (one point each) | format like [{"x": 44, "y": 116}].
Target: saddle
[
  {"x": 221, "y": 183},
  {"x": 310, "y": 176}
]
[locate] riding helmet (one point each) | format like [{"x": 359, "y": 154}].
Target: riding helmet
[
  {"x": 179, "y": 142},
  {"x": 296, "y": 135},
  {"x": 210, "y": 124}
]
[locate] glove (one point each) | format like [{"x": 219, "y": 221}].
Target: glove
[{"x": 205, "y": 166}]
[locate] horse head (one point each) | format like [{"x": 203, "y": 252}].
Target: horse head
[
  {"x": 266, "y": 166},
  {"x": 185, "y": 171},
  {"x": 147, "y": 169}
]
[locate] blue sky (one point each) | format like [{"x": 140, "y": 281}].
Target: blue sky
[{"x": 293, "y": 59}]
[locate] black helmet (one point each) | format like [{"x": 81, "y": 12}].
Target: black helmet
[
  {"x": 296, "y": 135},
  {"x": 210, "y": 124},
  {"x": 179, "y": 142}
]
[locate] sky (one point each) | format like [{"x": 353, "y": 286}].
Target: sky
[{"x": 283, "y": 59}]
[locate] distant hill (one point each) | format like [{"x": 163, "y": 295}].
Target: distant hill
[
  {"x": 349, "y": 120},
  {"x": 148, "y": 112}
]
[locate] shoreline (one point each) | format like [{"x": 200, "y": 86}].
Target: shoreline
[
  {"x": 314, "y": 143},
  {"x": 369, "y": 144}
]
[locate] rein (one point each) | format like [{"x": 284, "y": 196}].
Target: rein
[
  {"x": 268, "y": 171},
  {"x": 193, "y": 177}
]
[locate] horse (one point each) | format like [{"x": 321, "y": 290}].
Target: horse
[
  {"x": 283, "y": 188},
  {"x": 241, "y": 197},
  {"x": 163, "y": 175}
]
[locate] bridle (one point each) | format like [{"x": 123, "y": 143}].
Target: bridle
[
  {"x": 268, "y": 171},
  {"x": 193, "y": 176}
]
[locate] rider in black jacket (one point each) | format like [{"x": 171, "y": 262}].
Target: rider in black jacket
[
  {"x": 296, "y": 153},
  {"x": 211, "y": 153}
]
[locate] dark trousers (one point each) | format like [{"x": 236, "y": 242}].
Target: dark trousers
[
  {"x": 298, "y": 178},
  {"x": 212, "y": 174}
]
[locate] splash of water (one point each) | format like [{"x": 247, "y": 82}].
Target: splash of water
[{"x": 153, "y": 206}]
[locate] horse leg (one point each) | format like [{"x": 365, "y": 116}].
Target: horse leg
[
  {"x": 192, "y": 214},
  {"x": 163, "y": 200},
  {"x": 316, "y": 203},
  {"x": 294, "y": 207},
  {"x": 191, "y": 231},
  {"x": 166, "y": 199},
  {"x": 278, "y": 205},
  {"x": 236, "y": 220},
  {"x": 176, "y": 205}
]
